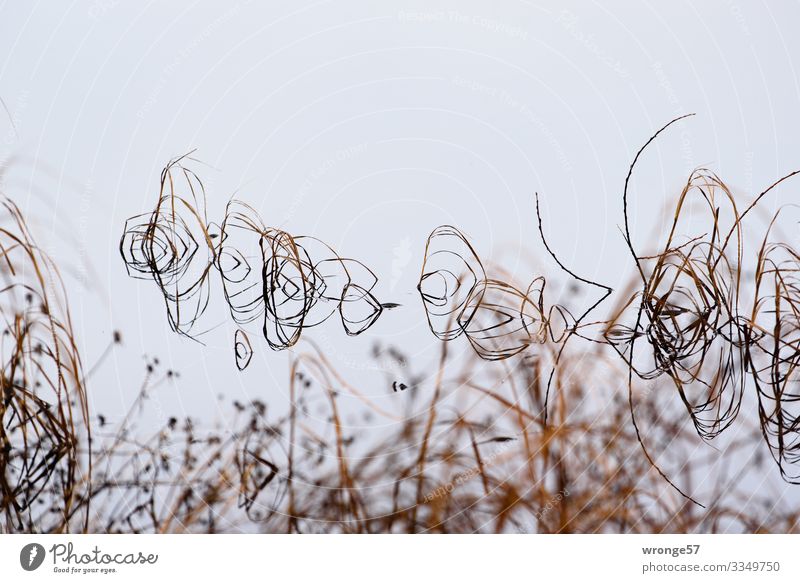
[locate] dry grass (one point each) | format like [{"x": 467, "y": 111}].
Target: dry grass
[
  {"x": 477, "y": 457},
  {"x": 609, "y": 434},
  {"x": 44, "y": 411}
]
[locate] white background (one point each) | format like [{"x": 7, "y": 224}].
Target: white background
[{"x": 407, "y": 558}]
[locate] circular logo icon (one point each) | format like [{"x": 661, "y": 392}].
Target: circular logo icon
[{"x": 31, "y": 556}]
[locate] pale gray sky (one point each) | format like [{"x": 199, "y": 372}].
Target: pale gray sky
[{"x": 368, "y": 125}]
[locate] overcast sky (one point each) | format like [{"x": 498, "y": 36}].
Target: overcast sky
[{"x": 367, "y": 126}]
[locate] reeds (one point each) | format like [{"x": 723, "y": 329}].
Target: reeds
[
  {"x": 44, "y": 410},
  {"x": 289, "y": 283},
  {"x": 530, "y": 432}
]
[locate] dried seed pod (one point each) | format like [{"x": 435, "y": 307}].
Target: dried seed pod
[
  {"x": 173, "y": 246},
  {"x": 242, "y": 349},
  {"x": 289, "y": 283},
  {"x": 774, "y": 351},
  {"x": 498, "y": 319}
]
